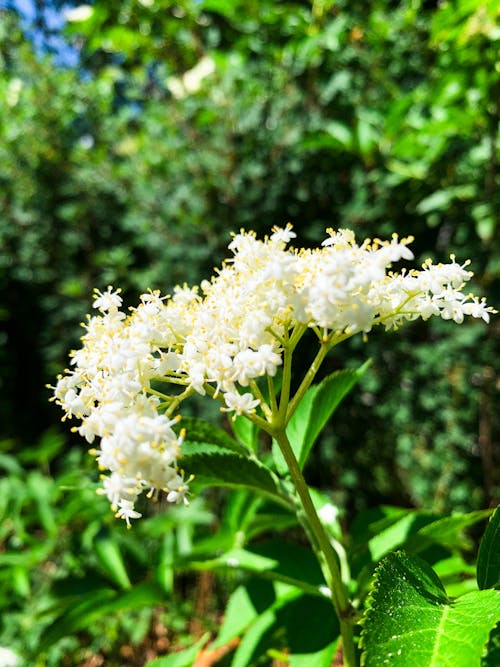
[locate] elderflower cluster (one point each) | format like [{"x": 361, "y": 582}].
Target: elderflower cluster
[
  {"x": 109, "y": 390},
  {"x": 222, "y": 336}
]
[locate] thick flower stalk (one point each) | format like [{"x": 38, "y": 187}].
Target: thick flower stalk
[{"x": 134, "y": 370}]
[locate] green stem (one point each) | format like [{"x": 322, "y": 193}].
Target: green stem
[
  {"x": 326, "y": 554},
  {"x": 272, "y": 394},
  {"x": 290, "y": 343},
  {"x": 177, "y": 400},
  {"x": 325, "y": 347},
  {"x": 258, "y": 394},
  {"x": 154, "y": 392},
  {"x": 307, "y": 380}
]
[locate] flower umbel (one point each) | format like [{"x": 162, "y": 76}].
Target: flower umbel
[{"x": 133, "y": 371}]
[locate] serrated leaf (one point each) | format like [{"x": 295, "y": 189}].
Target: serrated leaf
[
  {"x": 211, "y": 467},
  {"x": 200, "y": 431},
  {"x": 488, "y": 560},
  {"x": 492, "y": 656},
  {"x": 411, "y": 622}
]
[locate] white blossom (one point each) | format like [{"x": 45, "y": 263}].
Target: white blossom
[{"x": 226, "y": 334}]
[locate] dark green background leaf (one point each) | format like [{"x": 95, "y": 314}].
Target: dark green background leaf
[{"x": 488, "y": 561}]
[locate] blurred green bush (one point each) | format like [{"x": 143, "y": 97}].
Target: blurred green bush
[
  {"x": 77, "y": 588},
  {"x": 132, "y": 167}
]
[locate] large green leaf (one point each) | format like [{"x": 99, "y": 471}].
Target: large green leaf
[
  {"x": 410, "y": 621},
  {"x": 313, "y": 412},
  {"x": 216, "y": 459},
  {"x": 213, "y": 467},
  {"x": 302, "y": 628},
  {"x": 488, "y": 561}
]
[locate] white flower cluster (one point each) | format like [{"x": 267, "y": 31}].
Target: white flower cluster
[
  {"x": 230, "y": 331},
  {"x": 110, "y": 392}
]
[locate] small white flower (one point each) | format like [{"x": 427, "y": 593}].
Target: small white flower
[
  {"x": 126, "y": 511},
  {"x": 240, "y": 403},
  {"x": 8, "y": 658},
  {"x": 109, "y": 300},
  {"x": 283, "y": 235}
]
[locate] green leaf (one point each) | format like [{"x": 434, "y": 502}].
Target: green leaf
[
  {"x": 447, "y": 531},
  {"x": 184, "y": 658},
  {"x": 409, "y": 620},
  {"x": 313, "y": 412},
  {"x": 10, "y": 465},
  {"x": 41, "y": 488},
  {"x": 199, "y": 431},
  {"x": 303, "y": 627},
  {"x": 375, "y": 534},
  {"x": 441, "y": 199},
  {"x": 240, "y": 612},
  {"x": 340, "y": 132},
  {"x": 456, "y": 575},
  {"x": 272, "y": 521},
  {"x": 275, "y": 560},
  {"x": 29, "y": 558},
  {"x": 253, "y": 644},
  {"x": 390, "y": 530},
  {"x": 246, "y": 431},
  {"x": 492, "y": 657},
  {"x": 211, "y": 467},
  {"x": 97, "y": 603},
  {"x": 46, "y": 449},
  {"x": 164, "y": 569},
  {"x": 109, "y": 556},
  {"x": 85, "y": 609},
  {"x": 488, "y": 561}
]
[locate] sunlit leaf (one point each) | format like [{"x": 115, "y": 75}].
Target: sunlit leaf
[{"x": 410, "y": 621}]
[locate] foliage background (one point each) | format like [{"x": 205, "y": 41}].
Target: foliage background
[{"x": 116, "y": 168}]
